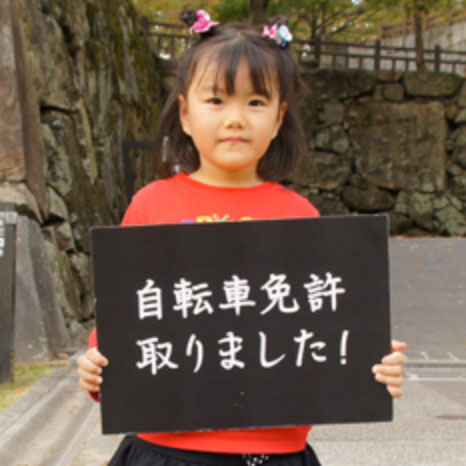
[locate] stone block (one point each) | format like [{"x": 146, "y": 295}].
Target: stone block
[
  {"x": 39, "y": 325},
  {"x": 80, "y": 266},
  {"x": 459, "y": 136},
  {"x": 12, "y": 162},
  {"x": 328, "y": 84},
  {"x": 333, "y": 138},
  {"x": 367, "y": 200},
  {"x": 393, "y": 92},
  {"x": 459, "y": 155},
  {"x": 462, "y": 96},
  {"x": 333, "y": 112},
  {"x": 460, "y": 116},
  {"x": 451, "y": 216},
  {"x": 414, "y": 204},
  {"x": 399, "y": 224},
  {"x": 451, "y": 112},
  {"x": 328, "y": 204},
  {"x": 25, "y": 202},
  {"x": 398, "y": 146},
  {"x": 431, "y": 84},
  {"x": 57, "y": 206},
  {"x": 322, "y": 170}
]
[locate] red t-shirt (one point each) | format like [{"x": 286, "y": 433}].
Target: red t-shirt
[{"x": 181, "y": 199}]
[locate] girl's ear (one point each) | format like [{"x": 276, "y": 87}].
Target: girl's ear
[
  {"x": 183, "y": 114},
  {"x": 281, "y": 114}
]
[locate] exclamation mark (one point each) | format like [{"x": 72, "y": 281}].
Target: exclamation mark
[{"x": 343, "y": 346}]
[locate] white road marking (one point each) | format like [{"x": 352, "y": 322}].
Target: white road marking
[{"x": 420, "y": 378}]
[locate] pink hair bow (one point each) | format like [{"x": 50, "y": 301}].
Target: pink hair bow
[
  {"x": 203, "y": 23},
  {"x": 270, "y": 31},
  {"x": 280, "y": 34}
]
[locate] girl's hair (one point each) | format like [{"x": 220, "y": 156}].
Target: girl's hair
[{"x": 268, "y": 63}]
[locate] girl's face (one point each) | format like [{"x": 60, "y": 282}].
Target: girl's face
[{"x": 231, "y": 132}]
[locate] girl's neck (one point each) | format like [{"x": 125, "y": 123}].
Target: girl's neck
[{"x": 230, "y": 180}]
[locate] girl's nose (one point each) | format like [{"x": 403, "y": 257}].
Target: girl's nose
[{"x": 234, "y": 117}]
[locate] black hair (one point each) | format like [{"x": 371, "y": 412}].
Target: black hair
[{"x": 268, "y": 62}]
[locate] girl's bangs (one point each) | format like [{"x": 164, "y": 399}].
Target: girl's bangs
[{"x": 227, "y": 57}]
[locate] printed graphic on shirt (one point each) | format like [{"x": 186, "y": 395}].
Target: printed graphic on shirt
[{"x": 213, "y": 218}]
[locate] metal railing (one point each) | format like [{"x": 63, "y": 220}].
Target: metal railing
[
  {"x": 326, "y": 53},
  {"x": 376, "y": 57}
]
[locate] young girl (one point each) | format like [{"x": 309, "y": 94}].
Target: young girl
[{"x": 228, "y": 132}]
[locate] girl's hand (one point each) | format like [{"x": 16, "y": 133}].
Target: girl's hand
[
  {"x": 390, "y": 371},
  {"x": 89, "y": 370}
]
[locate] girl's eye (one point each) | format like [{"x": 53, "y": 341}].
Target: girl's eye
[
  {"x": 215, "y": 101},
  {"x": 256, "y": 102}
]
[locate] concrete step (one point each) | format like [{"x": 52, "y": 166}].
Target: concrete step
[{"x": 54, "y": 424}]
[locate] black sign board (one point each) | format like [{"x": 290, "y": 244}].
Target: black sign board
[
  {"x": 8, "y": 218},
  {"x": 242, "y": 324}
]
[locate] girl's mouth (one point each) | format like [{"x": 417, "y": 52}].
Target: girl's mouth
[{"x": 234, "y": 140}]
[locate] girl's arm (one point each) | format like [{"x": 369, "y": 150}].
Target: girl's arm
[{"x": 390, "y": 370}]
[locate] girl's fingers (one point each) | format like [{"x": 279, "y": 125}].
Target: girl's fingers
[
  {"x": 399, "y": 345},
  {"x": 394, "y": 359},
  {"x": 90, "y": 370},
  {"x": 89, "y": 377},
  {"x": 86, "y": 365},
  {"x": 97, "y": 357},
  {"x": 389, "y": 380},
  {"x": 395, "y": 392},
  {"x": 387, "y": 370},
  {"x": 390, "y": 371},
  {"x": 90, "y": 384}
]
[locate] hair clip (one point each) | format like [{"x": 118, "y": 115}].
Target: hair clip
[
  {"x": 280, "y": 34},
  {"x": 203, "y": 22}
]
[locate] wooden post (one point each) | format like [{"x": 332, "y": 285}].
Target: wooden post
[
  {"x": 172, "y": 48},
  {"x": 317, "y": 49},
  {"x": 377, "y": 56},
  {"x": 437, "y": 58}
]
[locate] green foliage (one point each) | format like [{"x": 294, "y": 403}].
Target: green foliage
[
  {"x": 24, "y": 377},
  {"x": 232, "y": 11},
  {"x": 339, "y": 19},
  {"x": 169, "y": 10}
]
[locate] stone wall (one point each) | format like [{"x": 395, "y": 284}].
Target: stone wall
[
  {"x": 76, "y": 79},
  {"x": 387, "y": 142}
]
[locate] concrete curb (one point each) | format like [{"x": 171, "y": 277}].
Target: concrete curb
[{"x": 435, "y": 363}]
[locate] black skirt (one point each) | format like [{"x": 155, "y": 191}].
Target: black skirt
[{"x": 136, "y": 452}]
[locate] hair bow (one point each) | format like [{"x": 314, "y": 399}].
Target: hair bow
[
  {"x": 280, "y": 34},
  {"x": 203, "y": 22}
]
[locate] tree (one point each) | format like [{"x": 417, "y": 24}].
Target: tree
[
  {"x": 169, "y": 10},
  {"x": 307, "y": 18},
  {"x": 418, "y": 11},
  {"x": 258, "y": 11},
  {"x": 326, "y": 18}
]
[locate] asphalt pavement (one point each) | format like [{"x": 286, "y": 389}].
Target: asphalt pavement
[{"x": 57, "y": 424}]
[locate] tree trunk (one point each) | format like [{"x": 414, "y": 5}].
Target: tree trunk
[
  {"x": 419, "y": 35},
  {"x": 258, "y": 11},
  {"x": 323, "y": 29}
]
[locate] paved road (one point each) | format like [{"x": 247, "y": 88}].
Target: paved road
[
  {"x": 56, "y": 424},
  {"x": 428, "y": 289}
]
